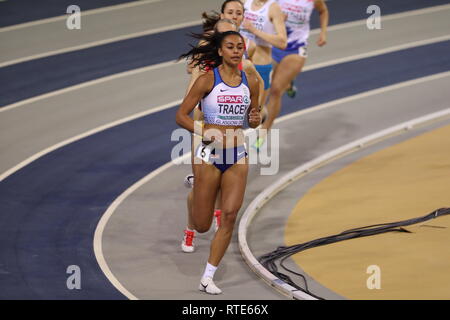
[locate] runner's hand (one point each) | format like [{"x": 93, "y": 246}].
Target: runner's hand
[
  {"x": 254, "y": 118},
  {"x": 249, "y": 26},
  {"x": 322, "y": 39}
]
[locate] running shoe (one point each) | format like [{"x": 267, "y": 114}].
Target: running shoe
[
  {"x": 207, "y": 285},
  {"x": 189, "y": 181},
  {"x": 187, "y": 245},
  {"x": 258, "y": 143},
  {"x": 217, "y": 214},
  {"x": 291, "y": 92}
]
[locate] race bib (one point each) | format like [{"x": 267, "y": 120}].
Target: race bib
[
  {"x": 302, "y": 51},
  {"x": 204, "y": 152}
]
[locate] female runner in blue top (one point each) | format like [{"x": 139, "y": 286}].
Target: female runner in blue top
[
  {"x": 227, "y": 96},
  {"x": 230, "y": 19}
]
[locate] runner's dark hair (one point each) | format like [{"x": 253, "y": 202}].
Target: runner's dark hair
[{"x": 207, "y": 54}]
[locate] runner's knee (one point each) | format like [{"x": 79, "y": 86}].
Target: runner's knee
[
  {"x": 276, "y": 89},
  {"x": 229, "y": 216},
  {"x": 202, "y": 227}
]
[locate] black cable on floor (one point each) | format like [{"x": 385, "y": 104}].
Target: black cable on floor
[{"x": 268, "y": 260}]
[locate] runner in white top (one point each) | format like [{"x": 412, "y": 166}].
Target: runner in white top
[
  {"x": 260, "y": 19},
  {"x": 228, "y": 96},
  {"x": 298, "y": 13},
  {"x": 289, "y": 62},
  {"x": 231, "y": 17},
  {"x": 263, "y": 27}
]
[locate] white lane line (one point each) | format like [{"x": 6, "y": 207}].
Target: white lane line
[
  {"x": 364, "y": 95},
  {"x": 377, "y": 52},
  {"x": 387, "y": 17},
  {"x": 268, "y": 193},
  {"x": 89, "y": 83},
  {"x": 100, "y": 42},
  {"x": 197, "y": 22},
  {"x": 98, "y": 250},
  {"x": 84, "y": 135},
  {"x": 117, "y": 202},
  {"x": 177, "y": 102},
  {"x": 170, "y": 63},
  {"x": 84, "y": 13}
]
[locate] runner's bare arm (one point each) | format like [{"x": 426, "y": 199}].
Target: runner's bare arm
[
  {"x": 322, "y": 8},
  {"x": 277, "y": 16},
  {"x": 250, "y": 70},
  {"x": 201, "y": 86},
  {"x": 254, "y": 116}
]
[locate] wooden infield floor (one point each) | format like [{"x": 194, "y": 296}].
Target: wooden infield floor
[{"x": 403, "y": 181}]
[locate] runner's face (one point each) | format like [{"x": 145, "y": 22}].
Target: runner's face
[
  {"x": 232, "y": 50},
  {"x": 233, "y": 11},
  {"x": 225, "y": 26}
]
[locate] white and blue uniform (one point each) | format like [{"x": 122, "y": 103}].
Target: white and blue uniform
[
  {"x": 261, "y": 20},
  {"x": 297, "y": 27},
  {"x": 226, "y": 106}
]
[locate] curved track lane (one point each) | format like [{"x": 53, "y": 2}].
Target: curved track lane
[
  {"x": 56, "y": 201},
  {"x": 51, "y": 207},
  {"x": 39, "y": 76}
]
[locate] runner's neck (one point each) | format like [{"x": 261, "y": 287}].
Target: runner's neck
[
  {"x": 258, "y": 4},
  {"x": 229, "y": 72}
]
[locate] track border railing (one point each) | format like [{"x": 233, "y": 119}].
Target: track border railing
[{"x": 255, "y": 206}]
